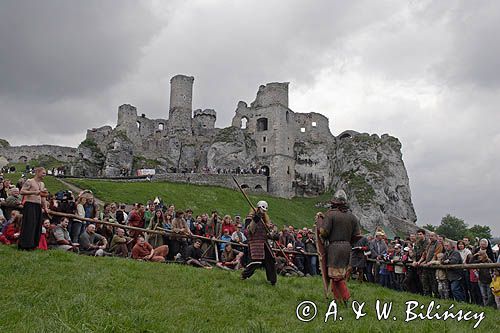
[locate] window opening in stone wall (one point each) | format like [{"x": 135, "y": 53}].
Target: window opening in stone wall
[
  {"x": 265, "y": 170},
  {"x": 302, "y": 129},
  {"x": 264, "y": 139},
  {"x": 263, "y": 149},
  {"x": 244, "y": 122},
  {"x": 262, "y": 124},
  {"x": 288, "y": 169},
  {"x": 161, "y": 127},
  {"x": 313, "y": 124},
  {"x": 138, "y": 125}
]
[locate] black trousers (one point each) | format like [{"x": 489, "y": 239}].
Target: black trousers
[
  {"x": 269, "y": 263},
  {"x": 31, "y": 227}
]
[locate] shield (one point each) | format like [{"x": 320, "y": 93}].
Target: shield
[{"x": 322, "y": 258}]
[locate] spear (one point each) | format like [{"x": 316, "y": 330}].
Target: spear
[{"x": 255, "y": 211}]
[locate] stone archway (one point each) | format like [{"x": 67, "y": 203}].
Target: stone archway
[{"x": 265, "y": 170}]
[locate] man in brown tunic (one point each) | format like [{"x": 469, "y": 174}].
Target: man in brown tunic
[
  {"x": 34, "y": 193},
  {"x": 339, "y": 230}
]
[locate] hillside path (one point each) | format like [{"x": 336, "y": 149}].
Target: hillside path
[{"x": 75, "y": 189}]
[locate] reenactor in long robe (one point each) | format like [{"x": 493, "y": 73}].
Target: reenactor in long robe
[{"x": 339, "y": 230}]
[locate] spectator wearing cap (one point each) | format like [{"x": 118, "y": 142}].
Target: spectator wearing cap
[
  {"x": 226, "y": 237},
  {"x": 299, "y": 258}
]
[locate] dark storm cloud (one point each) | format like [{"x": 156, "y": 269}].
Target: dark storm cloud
[
  {"x": 424, "y": 71},
  {"x": 57, "y": 49}
]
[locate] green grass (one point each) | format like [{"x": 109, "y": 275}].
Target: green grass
[
  {"x": 52, "y": 184},
  {"x": 54, "y": 291},
  {"x": 298, "y": 212}
]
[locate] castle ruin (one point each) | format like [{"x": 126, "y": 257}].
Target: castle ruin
[{"x": 295, "y": 152}]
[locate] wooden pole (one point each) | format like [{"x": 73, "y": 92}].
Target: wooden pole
[
  {"x": 280, "y": 248},
  {"x": 168, "y": 232},
  {"x": 457, "y": 266},
  {"x": 116, "y": 225}
]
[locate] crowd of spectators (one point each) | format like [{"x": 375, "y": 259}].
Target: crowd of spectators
[
  {"x": 407, "y": 265},
  {"x": 219, "y": 240}
]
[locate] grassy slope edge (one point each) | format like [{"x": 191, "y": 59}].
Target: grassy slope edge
[
  {"x": 53, "y": 291},
  {"x": 297, "y": 211}
]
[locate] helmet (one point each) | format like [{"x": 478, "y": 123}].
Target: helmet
[
  {"x": 262, "y": 205},
  {"x": 340, "y": 196}
]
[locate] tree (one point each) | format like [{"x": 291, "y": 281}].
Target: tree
[
  {"x": 429, "y": 227},
  {"x": 452, "y": 227},
  {"x": 480, "y": 231}
]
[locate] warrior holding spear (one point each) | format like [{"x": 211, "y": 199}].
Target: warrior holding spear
[
  {"x": 338, "y": 229},
  {"x": 261, "y": 254}
]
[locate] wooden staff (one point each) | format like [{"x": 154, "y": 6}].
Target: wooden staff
[
  {"x": 161, "y": 231},
  {"x": 116, "y": 225},
  {"x": 280, "y": 248},
  {"x": 216, "y": 249}
]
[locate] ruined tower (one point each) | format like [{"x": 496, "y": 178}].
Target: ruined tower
[
  {"x": 181, "y": 102},
  {"x": 270, "y": 123},
  {"x": 128, "y": 123}
]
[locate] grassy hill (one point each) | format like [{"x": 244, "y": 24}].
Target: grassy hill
[
  {"x": 52, "y": 184},
  {"x": 53, "y": 291},
  {"x": 297, "y": 211}
]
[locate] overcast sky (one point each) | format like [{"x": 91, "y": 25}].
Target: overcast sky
[{"x": 425, "y": 72}]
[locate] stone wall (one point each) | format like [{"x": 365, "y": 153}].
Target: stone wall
[
  {"x": 23, "y": 154},
  {"x": 255, "y": 183}
]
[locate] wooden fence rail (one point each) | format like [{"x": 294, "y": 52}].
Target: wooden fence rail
[{"x": 170, "y": 233}]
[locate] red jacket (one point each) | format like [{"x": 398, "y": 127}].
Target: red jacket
[{"x": 10, "y": 231}]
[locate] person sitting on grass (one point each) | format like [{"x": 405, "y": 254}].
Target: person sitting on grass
[
  {"x": 193, "y": 255},
  {"x": 42, "y": 244},
  {"x": 231, "y": 258},
  {"x": 91, "y": 243},
  {"x": 142, "y": 250},
  {"x": 119, "y": 244},
  {"x": 12, "y": 231},
  {"x": 60, "y": 239}
]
